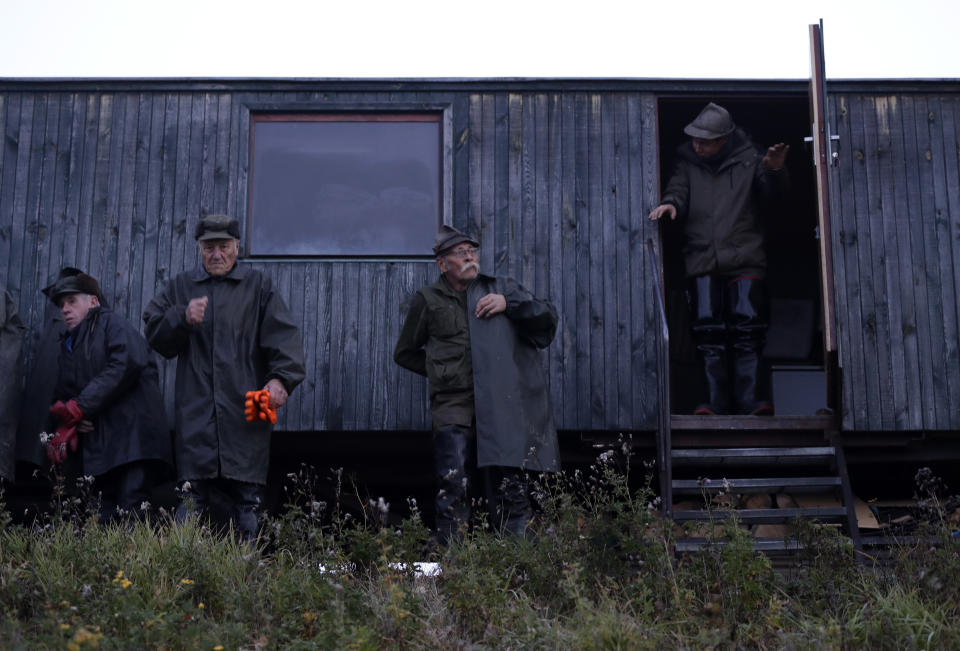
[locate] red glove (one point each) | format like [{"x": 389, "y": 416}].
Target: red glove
[
  {"x": 57, "y": 446},
  {"x": 69, "y": 412}
]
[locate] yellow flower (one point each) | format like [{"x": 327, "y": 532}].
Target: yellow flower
[
  {"x": 201, "y": 606},
  {"x": 64, "y": 627},
  {"x": 186, "y": 581},
  {"x": 126, "y": 583},
  {"x": 219, "y": 647}
]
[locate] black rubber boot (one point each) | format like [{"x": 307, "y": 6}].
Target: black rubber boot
[
  {"x": 705, "y": 296},
  {"x": 747, "y": 319},
  {"x": 453, "y": 451}
]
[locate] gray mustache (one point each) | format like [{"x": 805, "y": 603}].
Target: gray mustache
[{"x": 468, "y": 265}]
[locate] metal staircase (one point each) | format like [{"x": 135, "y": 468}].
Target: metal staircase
[{"x": 746, "y": 455}]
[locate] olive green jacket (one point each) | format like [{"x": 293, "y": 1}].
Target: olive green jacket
[{"x": 721, "y": 206}]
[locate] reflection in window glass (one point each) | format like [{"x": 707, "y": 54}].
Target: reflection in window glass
[{"x": 357, "y": 184}]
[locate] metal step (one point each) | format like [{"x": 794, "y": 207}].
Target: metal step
[
  {"x": 758, "y": 485},
  {"x": 765, "y": 545},
  {"x": 714, "y": 456},
  {"x": 764, "y": 516}
]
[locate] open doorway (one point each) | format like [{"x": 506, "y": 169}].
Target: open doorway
[{"x": 794, "y": 348}]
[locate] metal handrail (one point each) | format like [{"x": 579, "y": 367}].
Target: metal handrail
[{"x": 664, "y": 443}]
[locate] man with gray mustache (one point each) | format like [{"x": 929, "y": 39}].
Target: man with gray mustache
[{"x": 477, "y": 339}]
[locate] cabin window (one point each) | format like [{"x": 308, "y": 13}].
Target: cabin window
[{"x": 345, "y": 184}]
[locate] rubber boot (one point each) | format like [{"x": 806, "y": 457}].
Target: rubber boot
[
  {"x": 705, "y": 296},
  {"x": 747, "y": 319}
]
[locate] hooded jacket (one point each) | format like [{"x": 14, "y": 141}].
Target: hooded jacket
[
  {"x": 107, "y": 367},
  {"x": 495, "y": 361},
  {"x": 247, "y": 338},
  {"x": 720, "y": 203}
]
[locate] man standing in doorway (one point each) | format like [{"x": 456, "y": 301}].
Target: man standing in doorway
[
  {"x": 718, "y": 188},
  {"x": 477, "y": 339},
  {"x": 231, "y": 333}
]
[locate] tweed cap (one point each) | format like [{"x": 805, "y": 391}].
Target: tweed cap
[
  {"x": 713, "y": 122},
  {"x": 448, "y": 237},
  {"x": 217, "y": 227}
]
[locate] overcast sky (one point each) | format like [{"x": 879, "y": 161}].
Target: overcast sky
[{"x": 479, "y": 38}]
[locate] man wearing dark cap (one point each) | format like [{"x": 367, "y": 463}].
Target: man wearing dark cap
[
  {"x": 718, "y": 189},
  {"x": 477, "y": 339},
  {"x": 108, "y": 408},
  {"x": 231, "y": 333},
  {"x": 11, "y": 348}
]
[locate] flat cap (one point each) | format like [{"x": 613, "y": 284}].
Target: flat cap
[
  {"x": 713, "y": 122},
  {"x": 217, "y": 227},
  {"x": 448, "y": 237}
]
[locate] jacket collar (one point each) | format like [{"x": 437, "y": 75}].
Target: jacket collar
[
  {"x": 238, "y": 273},
  {"x": 739, "y": 149}
]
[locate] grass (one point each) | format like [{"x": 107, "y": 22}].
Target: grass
[{"x": 596, "y": 574}]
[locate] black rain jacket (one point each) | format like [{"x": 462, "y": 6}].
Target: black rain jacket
[
  {"x": 11, "y": 358},
  {"x": 247, "y": 338},
  {"x": 112, "y": 374}
]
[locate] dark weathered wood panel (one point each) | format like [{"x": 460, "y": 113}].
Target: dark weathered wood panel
[
  {"x": 556, "y": 185},
  {"x": 896, "y": 202}
]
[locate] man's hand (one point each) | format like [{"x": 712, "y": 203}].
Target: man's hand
[
  {"x": 278, "y": 395},
  {"x": 85, "y": 426},
  {"x": 776, "y": 157},
  {"x": 196, "y": 309},
  {"x": 663, "y": 209},
  {"x": 489, "y": 305}
]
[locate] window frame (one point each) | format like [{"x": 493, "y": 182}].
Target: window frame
[{"x": 253, "y": 112}]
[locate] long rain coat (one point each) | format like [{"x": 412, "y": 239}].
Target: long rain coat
[
  {"x": 111, "y": 373},
  {"x": 514, "y": 417},
  {"x": 11, "y": 349},
  {"x": 247, "y": 338}
]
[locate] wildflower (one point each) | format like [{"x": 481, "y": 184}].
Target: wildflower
[
  {"x": 118, "y": 577},
  {"x": 201, "y": 606},
  {"x": 187, "y": 581},
  {"x": 219, "y": 647},
  {"x": 45, "y": 437},
  {"x": 64, "y": 627},
  {"x": 126, "y": 583},
  {"x": 186, "y": 487},
  {"x": 145, "y": 505}
]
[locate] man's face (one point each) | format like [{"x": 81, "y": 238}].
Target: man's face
[
  {"x": 461, "y": 265},
  {"x": 219, "y": 256},
  {"x": 74, "y": 308},
  {"x": 708, "y": 148}
]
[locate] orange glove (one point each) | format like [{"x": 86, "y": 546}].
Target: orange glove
[{"x": 257, "y": 406}]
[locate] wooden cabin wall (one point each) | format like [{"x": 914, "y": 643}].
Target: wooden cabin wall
[
  {"x": 895, "y": 210},
  {"x": 557, "y": 184}
]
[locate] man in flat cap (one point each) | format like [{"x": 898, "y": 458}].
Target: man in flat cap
[
  {"x": 477, "y": 339},
  {"x": 11, "y": 349},
  {"x": 231, "y": 333},
  {"x": 718, "y": 189},
  {"x": 108, "y": 408}
]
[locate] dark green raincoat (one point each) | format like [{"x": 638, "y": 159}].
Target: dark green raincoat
[
  {"x": 501, "y": 362},
  {"x": 11, "y": 349},
  {"x": 247, "y": 338}
]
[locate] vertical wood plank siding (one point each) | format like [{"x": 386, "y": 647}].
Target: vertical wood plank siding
[
  {"x": 895, "y": 198},
  {"x": 557, "y": 184}
]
